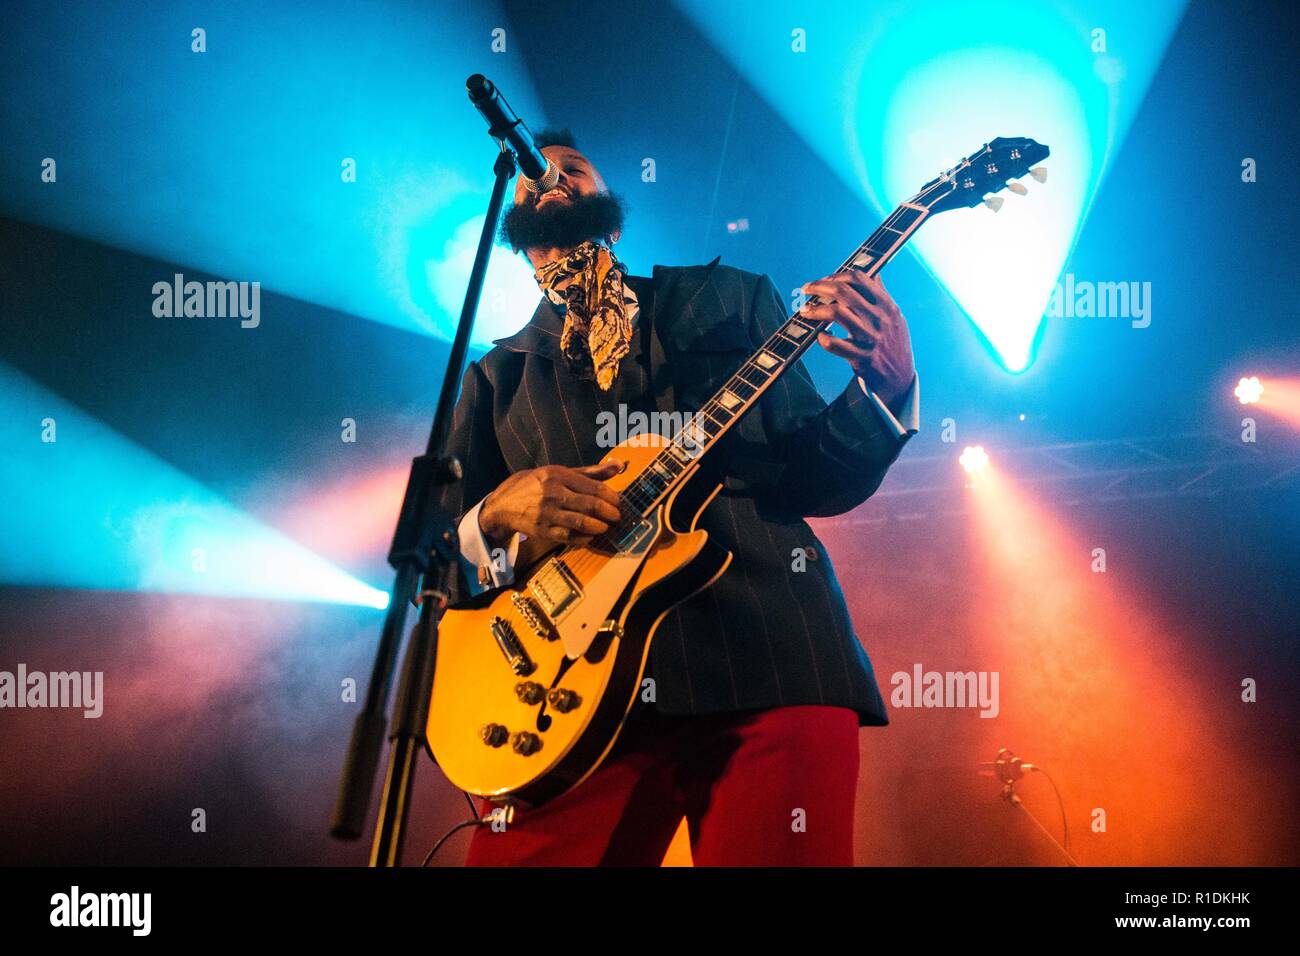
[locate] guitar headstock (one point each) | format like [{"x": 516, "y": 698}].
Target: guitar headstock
[{"x": 988, "y": 170}]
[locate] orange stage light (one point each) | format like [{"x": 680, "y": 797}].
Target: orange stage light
[
  {"x": 1094, "y": 688},
  {"x": 1280, "y": 398},
  {"x": 351, "y": 520}
]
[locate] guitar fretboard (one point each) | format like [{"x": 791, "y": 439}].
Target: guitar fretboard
[{"x": 742, "y": 391}]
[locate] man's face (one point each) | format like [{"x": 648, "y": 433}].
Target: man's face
[
  {"x": 577, "y": 178},
  {"x": 580, "y": 207}
]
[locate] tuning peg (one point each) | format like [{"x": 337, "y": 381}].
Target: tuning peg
[
  {"x": 1017, "y": 188},
  {"x": 1039, "y": 173},
  {"x": 994, "y": 202}
]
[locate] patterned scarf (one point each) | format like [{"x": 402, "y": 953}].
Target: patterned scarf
[{"x": 597, "y": 328}]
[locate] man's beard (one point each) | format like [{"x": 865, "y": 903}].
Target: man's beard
[{"x": 560, "y": 225}]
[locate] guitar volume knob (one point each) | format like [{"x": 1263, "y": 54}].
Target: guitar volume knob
[
  {"x": 525, "y": 743},
  {"x": 530, "y": 692},
  {"x": 563, "y": 700},
  {"x": 494, "y": 735}
]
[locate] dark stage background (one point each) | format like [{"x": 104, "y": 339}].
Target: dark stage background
[{"x": 1125, "y": 685}]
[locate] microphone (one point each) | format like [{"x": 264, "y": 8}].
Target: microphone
[
  {"x": 538, "y": 173},
  {"x": 1007, "y": 767}
]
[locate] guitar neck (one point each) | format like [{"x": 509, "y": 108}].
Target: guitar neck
[
  {"x": 781, "y": 351},
  {"x": 986, "y": 171}
]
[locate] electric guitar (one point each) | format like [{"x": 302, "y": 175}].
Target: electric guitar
[{"x": 533, "y": 680}]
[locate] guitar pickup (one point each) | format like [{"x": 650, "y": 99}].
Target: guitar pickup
[
  {"x": 555, "y": 588},
  {"x": 514, "y": 652}
]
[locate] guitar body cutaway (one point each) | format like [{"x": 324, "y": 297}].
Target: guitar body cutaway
[{"x": 517, "y": 718}]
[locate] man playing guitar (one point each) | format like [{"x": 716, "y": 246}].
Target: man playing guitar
[{"x": 756, "y": 685}]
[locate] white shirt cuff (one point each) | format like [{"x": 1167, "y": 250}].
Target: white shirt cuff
[
  {"x": 910, "y": 422},
  {"x": 483, "y": 567}
]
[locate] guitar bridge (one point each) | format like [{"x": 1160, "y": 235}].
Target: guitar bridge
[
  {"x": 555, "y": 588},
  {"x": 514, "y": 652},
  {"x": 532, "y": 616}
]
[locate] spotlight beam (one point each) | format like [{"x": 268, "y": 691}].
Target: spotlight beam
[{"x": 95, "y": 510}]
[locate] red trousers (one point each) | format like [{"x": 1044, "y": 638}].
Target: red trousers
[{"x": 757, "y": 788}]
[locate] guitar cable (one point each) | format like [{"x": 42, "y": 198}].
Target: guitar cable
[
  {"x": 1065, "y": 821},
  {"x": 477, "y": 821}
]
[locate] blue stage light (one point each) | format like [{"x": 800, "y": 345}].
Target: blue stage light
[
  {"x": 91, "y": 509},
  {"x": 243, "y": 170},
  {"x": 890, "y": 95},
  {"x": 510, "y": 292}
]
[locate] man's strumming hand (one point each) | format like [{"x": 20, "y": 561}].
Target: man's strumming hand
[{"x": 554, "y": 503}]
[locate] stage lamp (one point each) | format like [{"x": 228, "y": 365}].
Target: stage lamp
[
  {"x": 974, "y": 459},
  {"x": 1249, "y": 390}
]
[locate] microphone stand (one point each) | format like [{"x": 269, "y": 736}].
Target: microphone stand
[
  {"x": 1009, "y": 768},
  {"x": 425, "y": 544},
  {"x": 1009, "y": 794}
]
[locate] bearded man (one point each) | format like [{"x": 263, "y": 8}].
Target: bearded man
[{"x": 760, "y": 683}]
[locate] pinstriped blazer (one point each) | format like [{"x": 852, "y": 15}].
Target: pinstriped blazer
[{"x": 764, "y": 635}]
